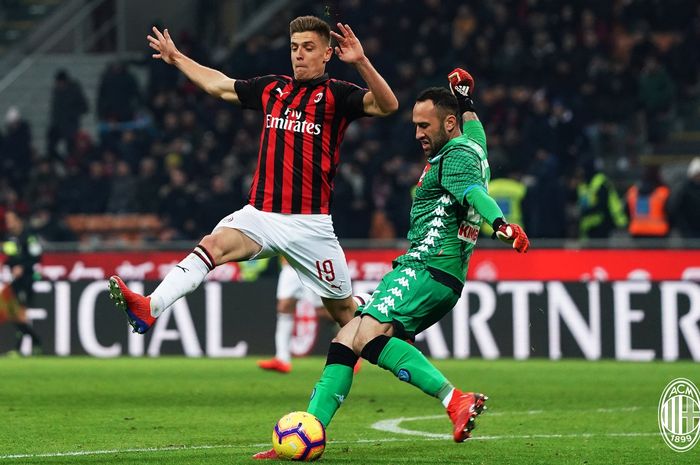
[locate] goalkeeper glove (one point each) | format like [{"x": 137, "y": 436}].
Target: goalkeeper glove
[
  {"x": 511, "y": 234},
  {"x": 462, "y": 86}
]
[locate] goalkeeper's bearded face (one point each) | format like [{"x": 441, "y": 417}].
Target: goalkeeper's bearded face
[{"x": 431, "y": 129}]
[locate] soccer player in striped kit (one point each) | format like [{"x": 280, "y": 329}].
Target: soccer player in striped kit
[{"x": 304, "y": 119}]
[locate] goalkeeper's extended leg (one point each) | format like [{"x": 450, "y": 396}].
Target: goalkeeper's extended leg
[
  {"x": 332, "y": 389},
  {"x": 408, "y": 364}
]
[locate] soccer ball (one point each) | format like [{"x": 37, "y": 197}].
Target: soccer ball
[{"x": 299, "y": 436}]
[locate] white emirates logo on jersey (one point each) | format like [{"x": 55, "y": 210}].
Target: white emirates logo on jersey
[{"x": 292, "y": 122}]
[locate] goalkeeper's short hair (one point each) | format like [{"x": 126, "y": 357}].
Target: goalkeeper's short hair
[{"x": 444, "y": 101}]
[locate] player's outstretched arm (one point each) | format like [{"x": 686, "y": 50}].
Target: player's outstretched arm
[
  {"x": 380, "y": 100},
  {"x": 487, "y": 207},
  {"x": 210, "y": 80},
  {"x": 462, "y": 86}
]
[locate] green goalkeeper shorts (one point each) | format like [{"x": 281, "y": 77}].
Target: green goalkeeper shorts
[{"x": 410, "y": 297}]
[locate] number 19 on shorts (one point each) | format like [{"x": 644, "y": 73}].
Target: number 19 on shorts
[{"x": 325, "y": 270}]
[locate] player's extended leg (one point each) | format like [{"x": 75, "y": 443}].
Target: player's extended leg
[
  {"x": 330, "y": 391},
  {"x": 221, "y": 246},
  {"x": 373, "y": 340}
]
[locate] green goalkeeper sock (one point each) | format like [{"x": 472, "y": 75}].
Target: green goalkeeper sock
[
  {"x": 408, "y": 364},
  {"x": 334, "y": 386}
]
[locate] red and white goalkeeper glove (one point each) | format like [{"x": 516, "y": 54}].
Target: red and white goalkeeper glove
[
  {"x": 462, "y": 86},
  {"x": 511, "y": 234}
]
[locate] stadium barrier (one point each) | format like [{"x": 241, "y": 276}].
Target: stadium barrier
[{"x": 622, "y": 304}]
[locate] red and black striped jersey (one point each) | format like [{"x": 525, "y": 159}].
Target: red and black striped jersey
[{"x": 303, "y": 126}]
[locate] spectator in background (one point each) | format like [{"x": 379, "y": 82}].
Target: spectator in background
[
  {"x": 601, "y": 210},
  {"x": 656, "y": 93},
  {"x": 118, "y": 95},
  {"x": 16, "y": 150},
  {"x": 68, "y": 104},
  {"x": 178, "y": 204},
  {"x": 544, "y": 205},
  {"x": 216, "y": 202},
  {"x": 684, "y": 205},
  {"x": 148, "y": 186},
  {"x": 122, "y": 197},
  {"x": 43, "y": 184},
  {"x": 646, "y": 206},
  {"x": 352, "y": 203},
  {"x": 94, "y": 189},
  {"x": 49, "y": 227}
]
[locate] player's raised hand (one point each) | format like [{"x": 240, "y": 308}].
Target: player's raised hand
[
  {"x": 163, "y": 45},
  {"x": 462, "y": 86},
  {"x": 513, "y": 234},
  {"x": 349, "y": 48}
]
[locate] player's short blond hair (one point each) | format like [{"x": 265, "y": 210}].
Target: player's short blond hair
[{"x": 311, "y": 23}]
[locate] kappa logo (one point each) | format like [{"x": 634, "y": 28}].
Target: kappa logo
[
  {"x": 679, "y": 415},
  {"x": 318, "y": 97}
]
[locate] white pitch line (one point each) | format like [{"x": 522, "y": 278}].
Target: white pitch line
[
  {"x": 119, "y": 451},
  {"x": 356, "y": 441},
  {"x": 390, "y": 425}
]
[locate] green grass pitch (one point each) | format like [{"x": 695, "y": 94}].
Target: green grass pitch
[{"x": 221, "y": 411}]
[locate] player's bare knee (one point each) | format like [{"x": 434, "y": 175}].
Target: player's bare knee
[
  {"x": 369, "y": 329},
  {"x": 227, "y": 244},
  {"x": 213, "y": 246},
  {"x": 359, "y": 342},
  {"x": 362, "y": 337},
  {"x": 347, "y": 333}
]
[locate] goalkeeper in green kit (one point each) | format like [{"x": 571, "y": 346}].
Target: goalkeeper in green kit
[{"x": 451, "y": 201}]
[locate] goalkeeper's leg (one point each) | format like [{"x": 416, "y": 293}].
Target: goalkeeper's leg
[
  {"x": 332, "y": 389},
  {"x": 374, "y": 342}
]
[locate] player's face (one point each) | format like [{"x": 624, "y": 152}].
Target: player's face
[
  {"x": 430, "y": 131},
  {"x": 309, "y": 55}
]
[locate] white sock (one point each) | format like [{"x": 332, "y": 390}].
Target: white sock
[
  {"x": 283, "y": 336},
  {"x": 448, "y": 398},
  {"x": 184, "y": 278}
]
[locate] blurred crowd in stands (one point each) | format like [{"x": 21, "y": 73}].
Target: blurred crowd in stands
[{"x": 571, "y": 95}]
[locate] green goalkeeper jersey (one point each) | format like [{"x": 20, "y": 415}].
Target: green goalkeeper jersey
[{"x": 450, "y": 203}]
